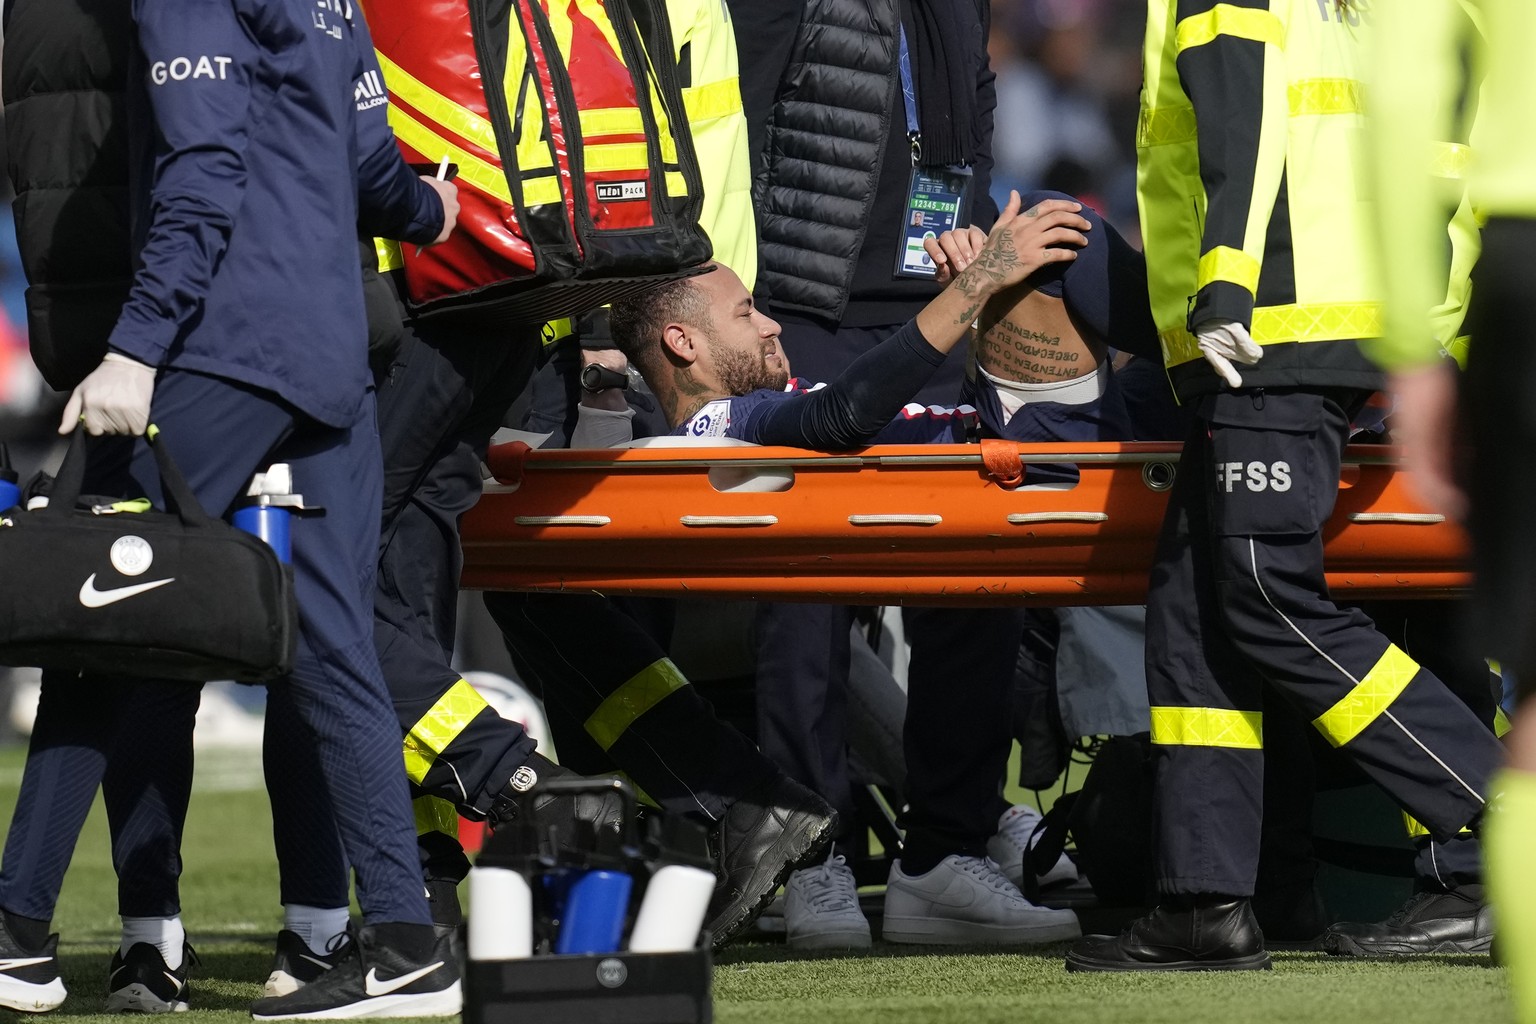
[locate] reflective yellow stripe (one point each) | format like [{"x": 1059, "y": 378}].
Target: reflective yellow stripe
[
  {"x": 557, "y": 330},
  {"x": 434, "y": 814},
  {"x": 1363, "y": 704},
  {"x": 1450, "y": 160},
  {"x": 533, "y": 152},
  {"x": 1417, "y": 831},
  {"x": 677, "y": 185},
  {"x": 617, "y": 156},
  {"x": 1323, "y": 96},
  {"x": 624, "y": 706},
  {"x": 1226, "y": 20},
  {"x": 436, "y": 107},
  {"x": 1208, "y": 727},
  {"x": 388, "y": 253},
  {"x": 482, "y": 174},
  {"x": 1501, "y": 724},
  {"x": 439, "y": 727},
  {"x": 1162, "y": 126},
  {"x": 611, "y": 121},
  {"x": 1276, "y": 325},
  {"x": 1224, "y": 263},
  {"x": 711, "y": 100}
]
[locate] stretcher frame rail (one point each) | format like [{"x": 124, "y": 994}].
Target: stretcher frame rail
[{"x": 912, "y": 524}]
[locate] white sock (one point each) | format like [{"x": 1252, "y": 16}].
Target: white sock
[
  {"x": 164, "y": 933},
  {"x": 317, "y": 926}
]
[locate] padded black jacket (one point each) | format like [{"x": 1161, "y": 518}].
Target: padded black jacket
[
  {"x": 65, "y": 71},
  {"x": 826, "y": 133}
]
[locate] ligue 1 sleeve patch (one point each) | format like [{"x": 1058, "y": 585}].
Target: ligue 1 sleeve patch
[{"x": 711, "y": 421}]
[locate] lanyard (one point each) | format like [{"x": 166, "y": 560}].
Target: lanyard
[{"x": 909, "y": 100}]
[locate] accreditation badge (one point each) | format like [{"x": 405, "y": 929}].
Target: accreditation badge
[{"x": 938, "y": 199}]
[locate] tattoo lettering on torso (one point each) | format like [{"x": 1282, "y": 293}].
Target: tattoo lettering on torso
[{"x": 1022, "y": 354}]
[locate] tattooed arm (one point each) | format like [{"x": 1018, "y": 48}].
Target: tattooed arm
[{"x": 1018, "y": 245}]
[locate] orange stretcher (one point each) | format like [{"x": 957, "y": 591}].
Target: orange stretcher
[{"x": 919, "y": 524}]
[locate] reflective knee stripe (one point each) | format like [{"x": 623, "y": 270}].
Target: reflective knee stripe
[
  {"x": 1417, "y": 831},
  {"x": 647, "y": 688},
  {"x": 1208, "y": 727},
  {"x": 1365, "y": 702},
  {"x": 434, "y": 814},
  {"x": 439, "y": 727}
]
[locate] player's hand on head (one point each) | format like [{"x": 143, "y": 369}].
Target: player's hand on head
[{"x": 1023, "y": 241}]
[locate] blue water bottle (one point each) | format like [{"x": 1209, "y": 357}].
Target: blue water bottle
[
  {"x": 10, "y": 489},
  {"x": 272, "y": 504},
  {"x": 595, "y": 910}
]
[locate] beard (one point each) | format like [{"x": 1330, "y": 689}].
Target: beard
[{"x": 742, "y": 373}]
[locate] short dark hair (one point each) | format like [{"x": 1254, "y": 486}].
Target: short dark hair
[{"x": 636, "y": 323}]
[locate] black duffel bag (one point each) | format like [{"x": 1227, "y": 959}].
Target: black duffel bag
[{"x": 176, "y": 594}]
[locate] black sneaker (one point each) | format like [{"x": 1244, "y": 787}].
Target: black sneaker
[
  {"x": 1458, "y": 921},
  {"x": 570, "y": 814},
  {"x": 29, "y": 978},
  {"x": 761, "y": 839},
  {"x": 140, "y": 981},
  {"x": 295, "y": 965},
  {"x": 378, "y": 977}
]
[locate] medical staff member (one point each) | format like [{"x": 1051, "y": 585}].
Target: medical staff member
[{"x": 1250, "y": 146}]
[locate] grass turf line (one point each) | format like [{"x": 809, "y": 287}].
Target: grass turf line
[{"x": 229, "y": 892}]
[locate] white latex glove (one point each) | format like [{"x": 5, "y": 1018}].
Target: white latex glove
[
  {"x": 1223, "y": 343},
  {"x": 113, "y": 399}
]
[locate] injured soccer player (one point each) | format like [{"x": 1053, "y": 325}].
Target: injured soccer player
[{"x": 1051, "y": 288}]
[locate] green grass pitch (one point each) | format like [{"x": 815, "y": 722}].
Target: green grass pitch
[{"x": 229, "y": 892}]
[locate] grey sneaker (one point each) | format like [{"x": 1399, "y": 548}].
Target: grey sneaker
[
  {"x": 821, "y": 908},
  {"x": 1015, "y": 830},
  {"x": 967, "y": 900}
]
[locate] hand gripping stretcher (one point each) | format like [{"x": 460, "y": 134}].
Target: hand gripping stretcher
[{"x": 918, "y": 524}]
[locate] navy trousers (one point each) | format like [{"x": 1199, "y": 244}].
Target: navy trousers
[
  {"x": 332, "y": 748},
  {"x": 1238, "y": 604},
  {"x": 441, "y": 401}
]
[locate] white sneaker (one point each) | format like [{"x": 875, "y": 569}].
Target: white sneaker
[
  {"x": 1015, "y": 830},
  {"x": 821, "y": 908},
  {"x": 967, "y": 900}
]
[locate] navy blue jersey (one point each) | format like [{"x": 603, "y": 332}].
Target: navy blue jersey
[
  {"x": 260, "y": 145},
  {"x": 743, "y": 419}
]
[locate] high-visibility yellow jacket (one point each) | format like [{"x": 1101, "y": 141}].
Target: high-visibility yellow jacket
[
  {"x": 1420, "y": 95},
  {"x": 706, "y": 52},
  {"x": 1252, "y": 187}
]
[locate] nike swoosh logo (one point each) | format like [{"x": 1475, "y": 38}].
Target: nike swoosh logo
[
  {"x": 25, "y": 961},
  {"x": 317, "y": 962},
  {"x": 374, "y": 987},
  {"x": 93, "y": 598}
]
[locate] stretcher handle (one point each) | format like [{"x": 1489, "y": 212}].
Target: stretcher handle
[
  {"x": 1001, "y": 459},
  {"x": 506, "y": 461}
]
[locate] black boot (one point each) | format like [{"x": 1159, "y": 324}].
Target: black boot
[
  {"x": 762, "y": 838},
  {"x": 575, "y": 817},
  {"x": 1207, "y": 932},
  {"x": 1457, "y": 921}
]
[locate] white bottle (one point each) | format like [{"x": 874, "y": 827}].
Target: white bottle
[
  {"x": 672, "y": 913},
  {"x": 500, "y": 914}
]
